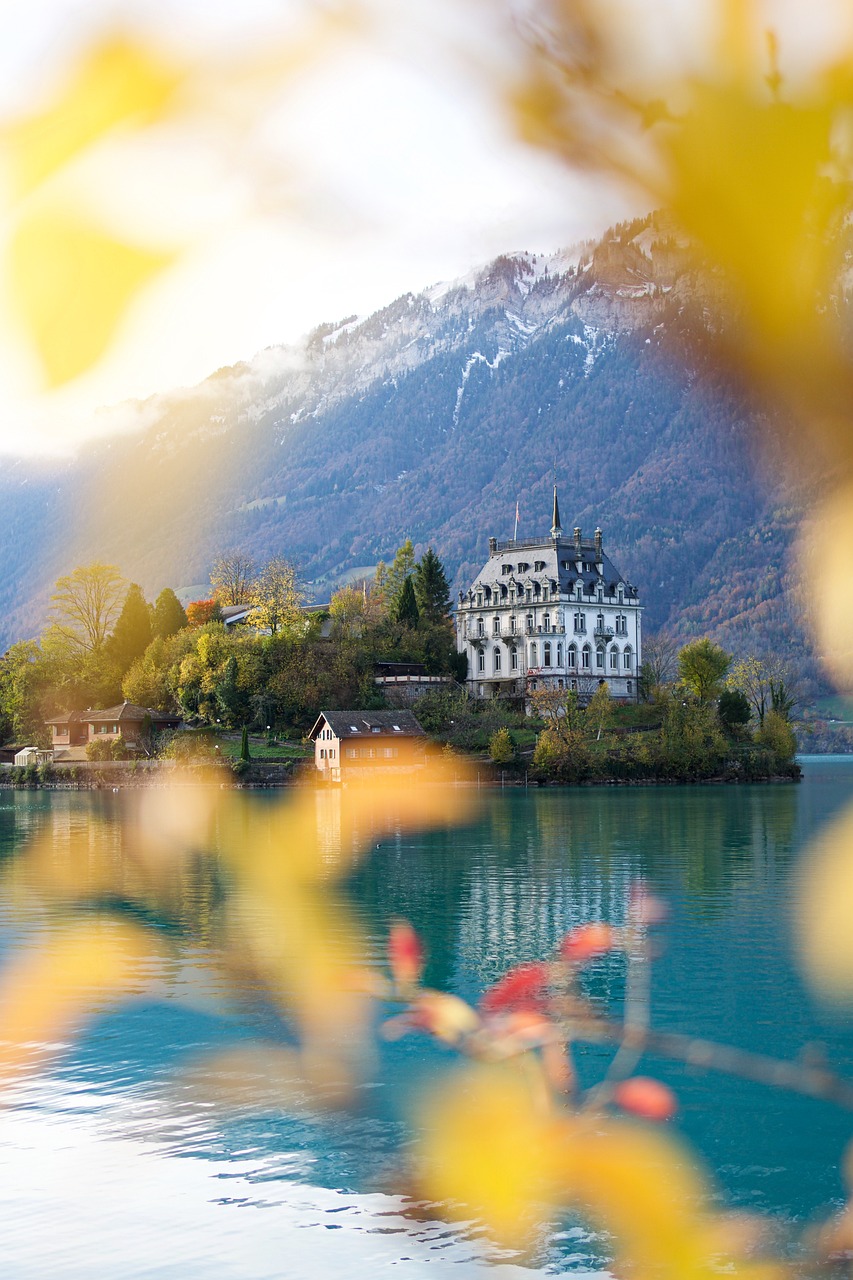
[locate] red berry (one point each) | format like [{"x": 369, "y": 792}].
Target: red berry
[
  {"x": 587, "y": 941},
  {"x": 405, "y": 954},
  {"x": 645, "y": 1097},
  {"x": 523, "y": 987}
]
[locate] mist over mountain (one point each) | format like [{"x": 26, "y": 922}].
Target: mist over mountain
[{"x": 429, "y": 419}]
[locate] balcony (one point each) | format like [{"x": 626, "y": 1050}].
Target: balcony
[{"x": 603, "y": 633}]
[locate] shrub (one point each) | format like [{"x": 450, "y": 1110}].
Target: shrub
[
  {"x": 778, "y": 736},
  {"x": 501, "y": 746}
]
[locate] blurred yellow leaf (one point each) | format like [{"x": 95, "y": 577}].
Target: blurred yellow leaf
[
  {"x": 488, "y": 1148},
  {"x": 116, "y": 82},
  {"x": 47, "y": 990},
  {"x": 71, "y": 285},
  {"x": 825, "y": 910},
  {"x": 826, "y": 556}
]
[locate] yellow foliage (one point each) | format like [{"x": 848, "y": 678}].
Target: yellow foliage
[
  {"x": 71, "y": 284},
  {"x": 46, "y": 991},
  {"x": 825, "y": 909},
  {"x": 117, "y": 81}
]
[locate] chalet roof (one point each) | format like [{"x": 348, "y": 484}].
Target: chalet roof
[
  {"x": 363, "y": 724},
  {"x": 124, "y": 712}
]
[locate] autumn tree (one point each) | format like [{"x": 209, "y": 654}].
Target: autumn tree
[
  {"x": 200, "y": 612},
  {"x": 276, "y": 598},
  {"x": 599, "y": 712},
  {"x": 660, "y": 661},
  {"x": 84, "y": 607},
  {"x": 232, "y": 577},
  {"x": 169, "y": 615},
  {"x": 702, "y": 666}
]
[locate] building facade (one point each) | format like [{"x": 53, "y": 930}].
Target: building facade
[
  {"x": 348, "y": 743},
  {"x": 550, "y": 612}
]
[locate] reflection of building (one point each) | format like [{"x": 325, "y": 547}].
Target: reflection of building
[
  {"x": 550, "y": 612},
  {"x": 356, "y": 742},
  {"x": 73, "y": 732}
]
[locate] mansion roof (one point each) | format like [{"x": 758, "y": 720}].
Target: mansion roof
[{"x": 560, "y": 563}]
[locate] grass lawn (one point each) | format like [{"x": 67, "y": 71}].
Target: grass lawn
[
  {"x": 229, "y": 748},
  {"x": 835, "y": 707}
]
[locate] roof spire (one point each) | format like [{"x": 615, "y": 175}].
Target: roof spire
[{"x": 556, "y": 527}]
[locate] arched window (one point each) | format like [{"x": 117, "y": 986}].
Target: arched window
[
  {"x": 546, "y": 622},
  {"x": 599, "y": 659},
  {"x": 496, "y": 626},
  {"x": 629, "y": 685},
  {"x": 614, "y": 659},
  {"x": 573, "y": 657},
  {"x": 530, "y": 622},
  {"x": 585, "y": 657},
  {"x": 513, "y": 659},
  {"x": 512, "y": 624},
  {"x": 533, "y": 661},
  {"x": 481, "y": 660},
  {"x": 574, "y": 686},
  {"x": 621, "y": 594},
  {"x": 497, "y": 659},
  {"x": 547, "y": 654},
  {"x": 481, "y": 627},
  {"x": 626, "y": 658},
  {"x": 599, "y": 621},
  {"x": 559, "y": 655}
]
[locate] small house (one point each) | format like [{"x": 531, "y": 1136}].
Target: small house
[
  {"x": 73, "y": 732},
  {"x": 347, "y": 743}
]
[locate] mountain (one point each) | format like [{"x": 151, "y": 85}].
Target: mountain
[{"x": 429, "y": 419}]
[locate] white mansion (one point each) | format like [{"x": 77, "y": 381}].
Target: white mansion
[{"x": 551, "y": 612}]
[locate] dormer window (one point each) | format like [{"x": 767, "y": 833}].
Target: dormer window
[{"x": 538, "y": 566}]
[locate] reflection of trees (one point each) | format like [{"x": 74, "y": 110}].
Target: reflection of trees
[{"x": 538, "y": 863}]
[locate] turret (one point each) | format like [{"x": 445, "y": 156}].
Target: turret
[{"x": 599, "y": 554}]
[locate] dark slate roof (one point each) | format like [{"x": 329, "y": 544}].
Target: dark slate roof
[
  {"x": 558, "y": 558},
  {"x": 125, "y": 712},
  {"x": 363, "y": 724}
]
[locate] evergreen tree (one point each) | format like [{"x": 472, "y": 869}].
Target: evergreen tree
[
  {"x": 432, "y": 591},
  {"x": 244, "y": 744},
  {"x": 169, "y": 615},
  {"x": 132, "y": 633},
  {"x": 407, "y": 606}
]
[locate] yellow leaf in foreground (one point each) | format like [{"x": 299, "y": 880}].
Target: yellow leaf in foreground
[
  {"x": 825, "y": 910},
  {"x": 488, "y": 1149},
  {"x": 47, "y": 990},
  {"x": 826, "y": 551},
  {"x": 71, "y": 285},
  {"x": 117, "y": 81}
]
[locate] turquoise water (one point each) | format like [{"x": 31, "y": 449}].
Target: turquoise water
[{"x": 110, "y": 1168}]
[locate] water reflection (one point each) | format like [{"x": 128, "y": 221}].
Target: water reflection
[{"x": 484, "y": 896}]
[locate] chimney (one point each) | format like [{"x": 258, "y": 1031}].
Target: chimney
[
  {"x": 599, "y": 554},
  {"x": 493, "y": 546},
  {"x": 577, "y": 541}
]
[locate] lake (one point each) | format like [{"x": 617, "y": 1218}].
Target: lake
[{"x": 112, "y": 1166}]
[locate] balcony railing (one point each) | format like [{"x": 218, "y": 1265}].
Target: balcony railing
[{"x": 603, "y": 633}]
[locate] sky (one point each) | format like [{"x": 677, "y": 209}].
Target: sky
[
  {"x": 381, "y": 167},
  {"x": 383, "y": 163}
]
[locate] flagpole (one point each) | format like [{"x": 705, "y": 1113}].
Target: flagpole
[{"x": 515, "y": 532}]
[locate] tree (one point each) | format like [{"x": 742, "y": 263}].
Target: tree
[
  {"x": 432, "y": 591},
  {"x": 24, "y": 679},
  {"x": 765, "y": 682},
  {"x": 599, "y": 712},
  {"x": 200, "y": 612},
  {"x": 734, "y": 710},
  {"x": 277, "y": 598},
  {"x": 660, "y": 662},
  {"x": 501, "y": 746},
  {"x": 778, "y": 736},
  {"x": 244, "y": 745},
  {"x": 231, "y": 577},
  {"x": 394, "y": 579},
  {"x": 702, "y": 665},
  {"x": 132, "y": 633},
  {"x": 407, "y": 606},
  {"x": 85, "y": 605},
  {"x": 169, "y": 615}
]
